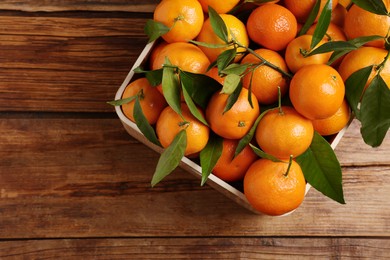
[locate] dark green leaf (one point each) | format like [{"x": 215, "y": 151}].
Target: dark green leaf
[
  {"x": 373, "y": 6},
  {"x": 360, "y": 41},
  {"x": 333, "y": 46},
  {"x": 192, "y": 107},
  {"x": 264, "y": 155},
  {"x": 230, "y": 83},
  {"x": 154, "y": 76},
  {"x": 210, "y": 155},
  {"x": 375, "y": 112},
  {"x": 171, "y": 88},
  {"x": 143, "y": 124},
  {"x": 209, "y": 45},
  {"x": 322, "y": 24},
  {"x": 225, "y": 58},
  {"x": 321, "y": 168},
  {"x": 122, "y": 101},
  {"x": 170, "y": 158},
  {"x": 249, "y": 136},
  {"x": 232, "y": 98},
  {"x": 199, "y": 86},
  {"x": 311, "y": 18},
  {"x": 354, "y": 87},
  {"x": 218, "y": 25},
  {"x": 236, "y": 68},
  {"x": 154, "y": 29}
]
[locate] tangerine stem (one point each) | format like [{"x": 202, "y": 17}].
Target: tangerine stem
[
  {"x": 289, "y": 166},
  {"x": 280, "y": 101},
  {"x": 267, "y": 63}
]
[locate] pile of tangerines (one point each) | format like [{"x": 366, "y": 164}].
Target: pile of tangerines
[{"x": 233, "y": 80}]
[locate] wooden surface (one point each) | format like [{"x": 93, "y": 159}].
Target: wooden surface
[{"x": 74, "y": 184}]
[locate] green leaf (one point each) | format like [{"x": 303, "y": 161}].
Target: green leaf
[
  {"x": 373, "y": 6},
  {"x": 154, "y": 29},
  {"x": 192, "y": 107},
  {"x": 333, "y": 46},
  {"x": 375, "y": 112},
  {"x": 233, "y": 98},
  {"x": 249, "y": 136},
  {"x": 122, "y": 101},
  {"x": 231, "y": 82},
  {"x": 170, "y": 158},
  {"x": 218, "y": 25},
  {"x": 311, "y": 18},
  {"x": 225, "y": 58},
  {"x": 321, "y": 168},
  {"x": 264, "y": 155},
  {"x": 209, "y": 45},
  {"x": 210, "y": 155},
  {"x": 199, "y": 86},
  {"x": 322, "y": 24},
  {"x": 354, "y": 87},
  {"x": 360, "y": 41},
  {"x": 153, "y": 76},
  {"x": 236, "y": 68},
  {"x": 171, "y": 88},
  {"x": 143, "y": 124}
]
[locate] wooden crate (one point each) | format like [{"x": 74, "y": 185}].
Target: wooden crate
[{"x": 229, "y": 190}]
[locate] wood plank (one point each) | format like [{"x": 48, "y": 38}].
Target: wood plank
[
  {"x": 79, "y": 5},
  {"x": 80, "y": 177},
  {"x": 54, "y": 63},
  {"x": 199, "y": 248}
]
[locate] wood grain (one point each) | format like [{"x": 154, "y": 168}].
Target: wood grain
[
  {"x": 80, "y": 177},
  {"x": 66, "y": 63},
  {"x": 199, "y": 248},
  {"x": 72, "y": 5}
]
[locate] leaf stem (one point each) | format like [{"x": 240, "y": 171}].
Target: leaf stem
[
  {"x": 289, "y": 166},
  {"x": 267, "y": 63}
]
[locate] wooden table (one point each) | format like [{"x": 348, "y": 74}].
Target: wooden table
[{"x": 74, "y": 184}]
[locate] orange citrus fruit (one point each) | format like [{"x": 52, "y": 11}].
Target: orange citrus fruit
[
  {"x": 264, "y": 81},
  {"x": 186, "y": 56},
  {"x": 296, "y": 50},
  {"x": 335, "y": 123},
  {"x": 237, "y": 121},
  {"x": 317, "y": 91},
  {"x": 272, "y": 26},
  {"x": 338, "y": 15},
  {"x": 273, "y": 190},
  {"x": 364, "y": 57},
  {"x": 302, "y": 8},
  {"x": 232, "y": 168},
  {"x": 284, "y": 132},
  {"x": 183, "y": 17},
  {"x": 221, "y": 7},
  {"x": 333, "y": 33},
  {"x": 170, "y": 123},
  {"x": 359, "y": 22},
  {"x": 235, "y": 27},
  {"x": 151, "y": 101}
]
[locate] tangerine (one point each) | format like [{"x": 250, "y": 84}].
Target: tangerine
[
  {"x": 151, "y": 101},
  {"x": 272, "y": 26},
  {"x": 302, "y": 8},
  {"x": 237, "y": 121},
  {"x": 236, "y": 30},
  {"x": 359, "y": 22},
  {"x": 170, "y": 123},
  {"x": 183, "y": 17},
  {"x": 317, "y": 91},
  {"x": 284, "y": 133},
  {"x": 264, "y": 81},
  {"x": 221, "y": 7},
  {"x": 335, "y": 123},
  {"x": 232, "y": 168},
  {"x": 297, "y": 50},
  {"x": 273, "y": 189}
]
